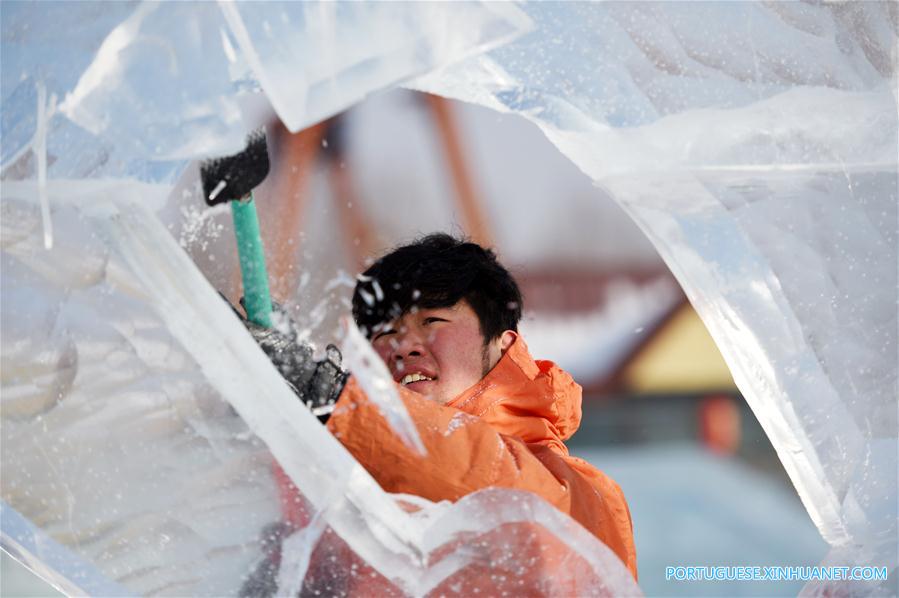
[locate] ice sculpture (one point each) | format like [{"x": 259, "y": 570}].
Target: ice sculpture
[
  {"x": 754, "y": 143},
  {"x": 113, "y": 443},
  {"x": 118, "y": 445},
  {"x": 124, "y": 468}
]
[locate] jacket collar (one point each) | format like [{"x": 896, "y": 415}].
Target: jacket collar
[{"x": 536, "y": 401}]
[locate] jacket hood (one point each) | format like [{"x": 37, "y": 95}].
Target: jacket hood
[{"x": 535, "y": 400}]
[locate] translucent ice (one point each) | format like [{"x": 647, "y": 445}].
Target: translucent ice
[
  {"x": 754, "y": 143},
  {"x": 113, "y": 442},
  {"x": 168, "y": 45},
  {"x": 150, "y": 84},
  {"x": 378, "y": 384},
  {"x": 117, "y": 355},
  {"x": 141, "y": 426},
  {"x": 315, "y": 59}
]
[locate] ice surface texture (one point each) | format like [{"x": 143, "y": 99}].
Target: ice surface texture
[
  {"x": 150, "y": 84},
  {"x": 113, "y": 442},
  {"x": 118, "y": 446},
  {"x": 754, "y": 143},
  {"x": 117, "y": 354}
]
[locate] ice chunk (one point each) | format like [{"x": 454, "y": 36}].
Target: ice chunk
[
  {"x": 42, "y": 51},
  {"x": 40, "y": 47},
  {"x": 137, "y": 466},
  {"x": 316, "y": 59},
  {"x": 376, "y": 381},
  {"x": 754, "y": 143},
  {"x": 759, "y": 156},
  {"x": 162, "y": 45},
  {"x": 113, "y": 442},
  {"x": 70, "y": 574},
  {"x": 150, "y": 84}
]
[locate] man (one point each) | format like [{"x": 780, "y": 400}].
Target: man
[{"x": 443, "y": 315}]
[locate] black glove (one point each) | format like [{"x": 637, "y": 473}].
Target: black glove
[{"x": 318, "y": 383}]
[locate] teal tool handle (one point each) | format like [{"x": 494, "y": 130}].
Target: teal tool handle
[{"x": 257, "y": 300}]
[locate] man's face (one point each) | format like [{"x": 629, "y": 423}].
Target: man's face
[{"x": 437, "y": 352}]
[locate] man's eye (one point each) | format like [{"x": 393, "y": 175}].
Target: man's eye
[
  {"x": 433, "y": 319},
  {"x": 384, "y": 333}
]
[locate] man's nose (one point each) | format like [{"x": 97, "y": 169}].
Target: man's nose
[{"x": 410, "y": 343}]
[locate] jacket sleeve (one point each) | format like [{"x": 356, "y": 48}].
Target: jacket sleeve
[{"x": 465, "y": 454}]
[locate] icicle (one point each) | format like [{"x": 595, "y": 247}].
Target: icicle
[
  {"x": 45, "y": 111},
  {"x": 372, "y": 375}
]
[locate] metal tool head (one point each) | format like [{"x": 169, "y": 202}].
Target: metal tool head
[{"x": 234, "y": 177}]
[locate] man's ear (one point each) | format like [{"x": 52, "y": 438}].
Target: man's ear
[{"x": 506, "y": 339}]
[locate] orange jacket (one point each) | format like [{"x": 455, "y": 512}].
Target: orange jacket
[{"x": 506, "y": 431}]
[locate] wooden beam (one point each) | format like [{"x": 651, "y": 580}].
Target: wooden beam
[{"x": 474, "y": 220}]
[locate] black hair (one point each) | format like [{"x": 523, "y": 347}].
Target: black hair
[{"x": 438, "y": 271}]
